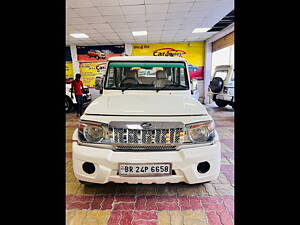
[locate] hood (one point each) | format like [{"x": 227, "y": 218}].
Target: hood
[{"x": 146, "y": 104}]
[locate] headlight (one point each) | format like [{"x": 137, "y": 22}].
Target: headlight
[
  {"x": 93, "y": 132},
  {"x": 201, "y": 132}
]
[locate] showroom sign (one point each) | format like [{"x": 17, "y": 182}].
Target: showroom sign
[
  {"x": 69, "y": 65},
  {"x": 99, "y": 52},
  {"x": 93, "y": 59},
  {"x": 193, "y": 52},
  {"x": 168, "y": 52},
  {"x": 69, "y": 70},
  {"x": 90, "y": 70}
]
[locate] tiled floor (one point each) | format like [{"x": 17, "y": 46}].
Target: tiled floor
[{"x": 210, "y": 203}]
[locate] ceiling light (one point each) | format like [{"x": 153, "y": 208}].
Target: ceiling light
[
  {"x": 200, "y": 30},
  {"x": 79, "y": 35},
  {"x": 139, "y": 33}
]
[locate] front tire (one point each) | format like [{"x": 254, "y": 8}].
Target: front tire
[
  {"x": 86, "y": 183},
  {"x": 220, "y": 103},
  {"x": 68, "y": 104}
]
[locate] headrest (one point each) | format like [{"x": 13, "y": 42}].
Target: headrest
[{"x": 161, "y": 74}]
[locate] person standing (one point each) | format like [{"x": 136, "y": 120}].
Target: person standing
[{"x": 77, "y": 87}]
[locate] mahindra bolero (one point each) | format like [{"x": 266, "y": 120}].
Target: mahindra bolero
[{"x": 146, "y": 127}]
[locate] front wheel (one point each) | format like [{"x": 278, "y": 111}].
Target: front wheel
[{"x": 220, "y": 103}]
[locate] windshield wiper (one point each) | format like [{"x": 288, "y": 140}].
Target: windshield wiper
[
  {"x": 125, "y": 88},
  {"x": 170, "y": 85}
]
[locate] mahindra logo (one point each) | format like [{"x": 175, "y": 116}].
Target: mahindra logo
[{"x": 146, "y": 125}]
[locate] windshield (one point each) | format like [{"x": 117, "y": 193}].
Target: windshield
[
  {"x": 147, "y": 76},
  {"x": 221, "y": 74}
]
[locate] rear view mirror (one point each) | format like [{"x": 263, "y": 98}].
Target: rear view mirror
[
  {"x": 99, "y": 84},
  {"x": 194, "y": 85}
]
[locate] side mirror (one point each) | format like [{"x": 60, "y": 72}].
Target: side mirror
[
  {"x": 99, "y": 84},
  {"x": 194, "y": 85}
]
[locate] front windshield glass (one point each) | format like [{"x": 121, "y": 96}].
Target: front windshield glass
[
  {"x": 147, "y": 76},
  {"x": 221, "y": 74}
]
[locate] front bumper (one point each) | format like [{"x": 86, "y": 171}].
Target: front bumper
[
  {"x": 184, "y": 163},
  {"x": 221, "y": 96}
]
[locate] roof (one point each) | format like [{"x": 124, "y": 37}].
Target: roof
[
  {"x": 147, "y": 58},
  {"x": 223, "y": 66}
]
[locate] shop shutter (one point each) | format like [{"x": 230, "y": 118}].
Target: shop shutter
[{"x": 223, "y": 42}]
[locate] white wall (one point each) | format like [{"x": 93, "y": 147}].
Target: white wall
[
  {"x": 223, "y": 56},
  {"x": 74, "y": 59}
]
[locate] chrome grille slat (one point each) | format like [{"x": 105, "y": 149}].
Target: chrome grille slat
[
  {"x": 163, "y": 136},
  {"x": 172, "y": 132},
  {"x": 157, "y": 136}
]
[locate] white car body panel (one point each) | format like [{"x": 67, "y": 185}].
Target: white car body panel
[{"x": 146, "y": 103}]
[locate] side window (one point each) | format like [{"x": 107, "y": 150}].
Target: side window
[
  {"x": 110, "y": 80},
  {"x": 221, "y": 73},
  {"x": 182, "y": 76}
]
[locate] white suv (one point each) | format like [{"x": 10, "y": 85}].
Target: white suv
[
  {"x": 221, "y": 87},
  {"x": 146, "y": 127}
]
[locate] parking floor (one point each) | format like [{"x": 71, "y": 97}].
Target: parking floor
[{"x": 200, "y": 204}]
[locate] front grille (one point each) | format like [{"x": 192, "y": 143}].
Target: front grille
[
  {"x": 155, "y": 136},
  {"x": 145, "y": 148}
]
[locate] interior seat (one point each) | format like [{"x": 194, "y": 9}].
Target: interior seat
[
  {"x": 131, "y": 78},
  {"x": 161, "y": 79}
]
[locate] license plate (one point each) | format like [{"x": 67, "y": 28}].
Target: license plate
[{"x": 144, "y": 170}]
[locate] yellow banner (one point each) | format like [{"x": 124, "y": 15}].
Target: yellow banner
[
  {"x": 193, "y": 52},
  {"x": 69, "y": 70},
  {"x": 89, "y": 71},
  {"x": 88, "y": 81}
]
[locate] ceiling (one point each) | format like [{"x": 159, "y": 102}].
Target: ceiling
[
  {"x": 112, "y": 21},
  {"x": 224, "y": 22}
]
